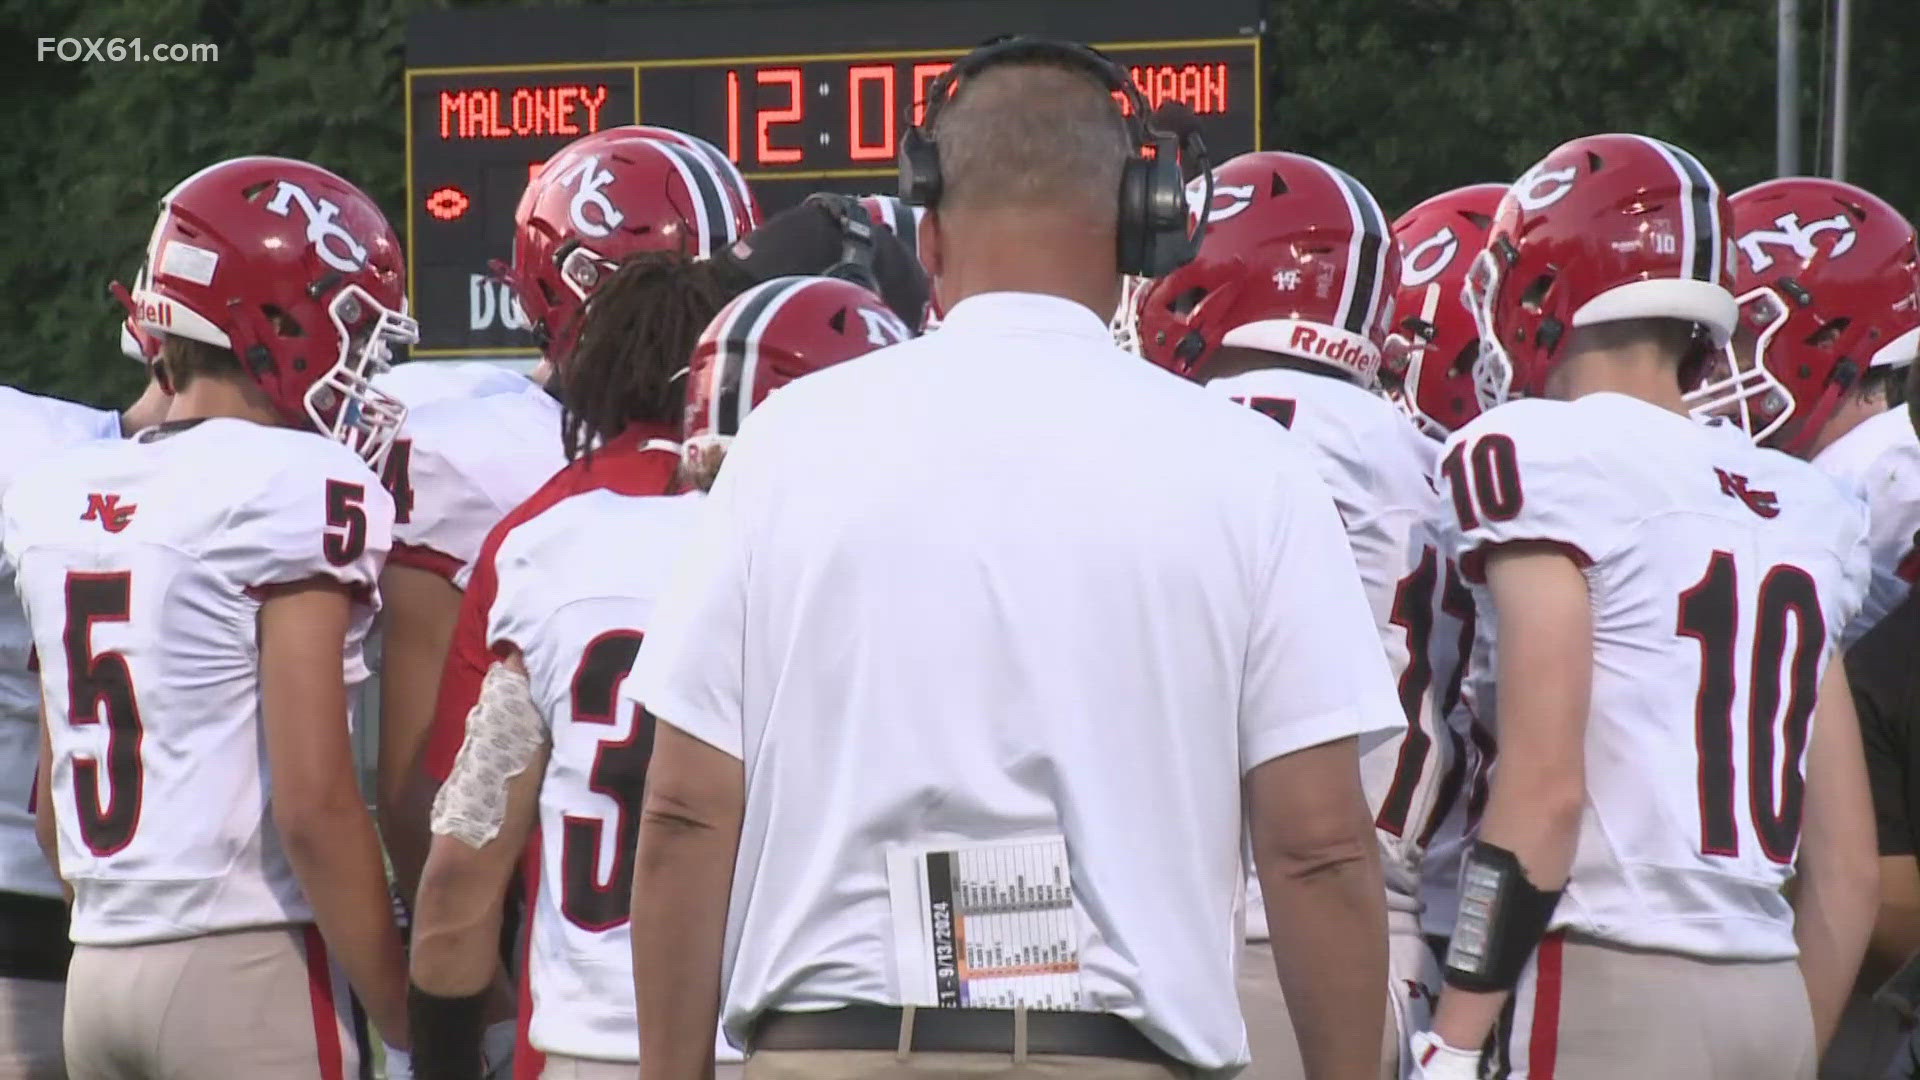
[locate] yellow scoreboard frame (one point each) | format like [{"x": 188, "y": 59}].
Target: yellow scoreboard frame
[{"x": 479, "y": 159}]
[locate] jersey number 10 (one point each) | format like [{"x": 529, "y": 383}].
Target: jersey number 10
[{"x": 1776, "y": 785}]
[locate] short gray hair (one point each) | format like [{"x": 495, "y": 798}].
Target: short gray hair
[{"x": 1035, "y": 135}]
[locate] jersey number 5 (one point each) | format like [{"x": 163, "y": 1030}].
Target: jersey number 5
[
  {"x": 107, "y": 818},
  {"x": 588, "y": 899},
  {"x": 1776, "y": 786}
]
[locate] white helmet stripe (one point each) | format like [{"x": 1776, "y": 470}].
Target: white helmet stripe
[
  {"x": 1364, "y": 284},
  {"x": 1701, "y": 248},
  {"x": 725, "y": 371},
  {"x": 711, "y": 207},
  {"x": 776, "y": 299}
]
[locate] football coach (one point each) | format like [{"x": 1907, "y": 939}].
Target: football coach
[{"x": 1008, "y": 584}]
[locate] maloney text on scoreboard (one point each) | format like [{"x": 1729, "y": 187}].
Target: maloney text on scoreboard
[{"x": 794, "y": 122}]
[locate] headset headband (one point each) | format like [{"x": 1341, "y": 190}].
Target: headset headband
[
  {"x": 1152, "y": 235},
  {"x": 1014, "y": 48}
]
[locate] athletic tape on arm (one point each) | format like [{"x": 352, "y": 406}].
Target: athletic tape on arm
[{"x": 504, "y": 734}]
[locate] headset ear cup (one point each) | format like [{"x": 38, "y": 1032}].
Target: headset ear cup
[
  {"x": 1167, "y": 244},
  {"x": 919, "y": 168},
  {"x": 1133, "y": 232}
]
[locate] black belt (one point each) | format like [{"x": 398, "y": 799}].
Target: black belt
[{"x": 956, "y": 1031}]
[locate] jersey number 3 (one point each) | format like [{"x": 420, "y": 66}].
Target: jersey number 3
[
  {"x": 1776, "y": 786},
  {"x": 109, "y": 815},
  {"x": 588, "y": 899}
]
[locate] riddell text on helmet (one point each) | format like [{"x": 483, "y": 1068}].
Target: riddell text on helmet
[{"x": 1306, "y": 341}]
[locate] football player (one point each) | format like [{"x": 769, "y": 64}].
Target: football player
[
  {"x": 33, "y": 916},
  {"x": 462, "y": 464},
  {"x": 1666, "y": 601},
  {"x": 1428, "y": 365},
  {"x": 197, "y": 598},
  {"x": 1285, "y": 310},
  {"x": 1827, "y": 276},
  {"x": 567, "y": 583}
]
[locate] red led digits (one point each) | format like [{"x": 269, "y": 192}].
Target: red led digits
[
  {"x": 923, "y": 76},
  {"x": 733, "y": 117},
  {"x": 765, "y": 152},
  {"x": 1200, "y": 87},
  {"x": 522, "y": 111},
  {"x": 859, "y": 78}
]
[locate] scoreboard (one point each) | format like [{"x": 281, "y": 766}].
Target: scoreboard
[{"x": 803, "y": 95}]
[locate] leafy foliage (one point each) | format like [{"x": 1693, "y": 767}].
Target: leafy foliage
[{"x": 1413, "y": 96}]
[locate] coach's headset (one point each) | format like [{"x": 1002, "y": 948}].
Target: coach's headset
[{"x": 1154, "y": 237}]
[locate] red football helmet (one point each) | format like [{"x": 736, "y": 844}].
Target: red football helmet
[
  {"x": 1604, "y": 228},
  {"x": 135, "y": 342},
  {"x": 744, "y": 197},
  {"x": 1431, "y": 352},
  {"x": 771, "y": 335},
  {"x": 1297, "y": 260},
  {"x": 602, "y": 198},
  {"x": 298, "y": 273},
  {"x": 1814, "y": 315}
]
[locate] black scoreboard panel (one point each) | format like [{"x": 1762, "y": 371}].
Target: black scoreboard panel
[{"x": 802, "y": 96}]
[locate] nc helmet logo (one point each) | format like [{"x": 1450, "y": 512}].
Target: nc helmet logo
[
  {"x": 1541, "y": 187},
  {"x": 589, "y": 182},
  {"x": 1229, "y": 200},
  {"x": 1788, "y": 231},
  {"x": 883, "y": 327},
  {"x": 334, "y": 244},
  {"x": 1429, "y": 258}
]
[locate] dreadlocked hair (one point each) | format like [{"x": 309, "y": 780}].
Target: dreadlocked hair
[{"x": 637, "y": 332}]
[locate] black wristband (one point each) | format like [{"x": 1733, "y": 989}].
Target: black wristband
[
  {"x": 446, "y": 1034},
  {"x": 1502, "y": 919}
]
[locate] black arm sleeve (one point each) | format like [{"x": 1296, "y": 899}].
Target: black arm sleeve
[{"x": 1884, "y": 670}]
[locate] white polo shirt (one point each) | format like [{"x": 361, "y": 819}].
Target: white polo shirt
[{"x": 1004, "y": 581}]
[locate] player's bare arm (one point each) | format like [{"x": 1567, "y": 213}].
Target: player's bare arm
[
  {"x": 457, "y": 912},
  {"x": 1533, "y": 811},
  {"x": 1838, "y": 880},
  {"x": 682, "y": 880},
  {"x": 317, "y": 804},
  {"x": 1319, "y": 867},
  {"x": 421, "y": 608}
]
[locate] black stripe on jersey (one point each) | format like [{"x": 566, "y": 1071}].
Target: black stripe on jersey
[
  {"x": 1700, "y": 212},
  {"x": 706, "y": 183},
  {"x": 736, "y": 346},
  {"x": 1367, "y": 281}
]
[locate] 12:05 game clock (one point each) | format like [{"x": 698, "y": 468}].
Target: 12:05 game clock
[{"x": 802, "y": 96}]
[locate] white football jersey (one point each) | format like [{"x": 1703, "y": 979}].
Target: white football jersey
[
  {"x": 1460, "y": 792},
  {"x": 1721, "y": 576},
  {"x": 140, "y": 563},
  {"x": 419, "y": 383},
  {"x": 33, "y": 429},
  {"x": 575, "y": 586},
  {"x": 459, "y": 466},
  {"x": 1376, "y": 465},
  {"x": 1880, "y": 460}
]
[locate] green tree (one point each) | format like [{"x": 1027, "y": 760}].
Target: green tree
[{"x": 1413, "y": 96}]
